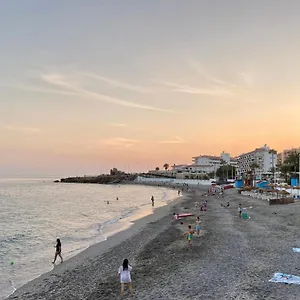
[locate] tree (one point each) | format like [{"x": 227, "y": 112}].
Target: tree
[
  {"x": 157, "y": 169},
  {"x": 273, "y": 152},
  {"x": 223, "y": 170},
  {"x": 211, "y": 175},
  {"x": 166, "y": 166},
  {"x": 290, "y": 166},
  {"x": 293, "y": 161}
]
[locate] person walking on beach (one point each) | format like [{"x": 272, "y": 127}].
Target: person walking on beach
[
  {"x": 152, "y": 200},
  {"x": 125, "y": 277},
  {"x": 189, "y": 235},
  {"x": 198, "y": 226},
  {"x": 58, "y": 251},
  {"x": 240, "y": 210}
]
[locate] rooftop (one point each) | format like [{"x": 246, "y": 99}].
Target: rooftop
[{"x": 208, "y": 156}]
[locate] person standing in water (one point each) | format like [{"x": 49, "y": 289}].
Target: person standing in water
[
  {"x": 152, "y": 200},
  {"x": 189, "y": 235},
  {"x": 125, "y": 277},
  {"x": 57, "y": 251},
  {"x": 198, "y": 222}
]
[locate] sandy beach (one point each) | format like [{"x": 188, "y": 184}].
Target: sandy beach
[{"x": 232, "y": 259}]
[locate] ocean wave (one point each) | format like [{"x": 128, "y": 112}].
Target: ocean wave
[{"x": 12, "y": 239}]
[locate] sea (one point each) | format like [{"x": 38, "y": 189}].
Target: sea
[{"x": 35, "y": 212}]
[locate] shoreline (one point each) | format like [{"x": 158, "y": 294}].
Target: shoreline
[
  {"x": 233, "y": 258},
  {"x": 115, "y": 234}
]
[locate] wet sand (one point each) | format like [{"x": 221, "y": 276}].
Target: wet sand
[{"x": 232, "y": 259}]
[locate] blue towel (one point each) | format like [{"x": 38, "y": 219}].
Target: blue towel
[
  {"x": 285, "y": 278},
  {"x": 296, "y": 249}
]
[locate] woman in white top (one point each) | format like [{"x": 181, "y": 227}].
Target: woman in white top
[{"x": 125, "y": 278}]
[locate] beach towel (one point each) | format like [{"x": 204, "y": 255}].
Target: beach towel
[
  {"x": 296, "y": 250},
  {"x": 285, "y": 278}
]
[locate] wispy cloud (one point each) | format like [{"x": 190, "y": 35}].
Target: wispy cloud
[
  {"x": 118, "y": 125},
  {"x": 39, "y": 89},
  {"x": 71, "y": 87},
  {"x": 197, "y": 67},
  {"x": 194, "y": 90},
  {"x": 247, "y": 78},
  {"x": 117, "y": 83},
  {"x": 120, "y": 142},
  {"x": 176, "y": 140},
  {"x": 22, "y": 129}
]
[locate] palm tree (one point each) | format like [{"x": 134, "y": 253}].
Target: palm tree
[
  {"x": 166, "y": 166},
  {"x": 285, "y": 170},
  {"x": 273, "y": 152},
  {"x": 157, "y": 169}
]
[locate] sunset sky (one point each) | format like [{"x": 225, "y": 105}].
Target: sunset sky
[{"x": 90, "y": 85}]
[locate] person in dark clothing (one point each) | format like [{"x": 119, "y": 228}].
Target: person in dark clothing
[
  {"x": 57, "y": 251},
  {"x": 152, "y": 200}
]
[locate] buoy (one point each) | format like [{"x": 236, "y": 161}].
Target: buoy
[{"x": 11, "y": 262}]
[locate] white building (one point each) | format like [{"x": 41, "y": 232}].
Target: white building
[
  {"x": 215, "y": 161},
  {"x": 262, "y": 157},
  {"x": 206, "y": 163}
]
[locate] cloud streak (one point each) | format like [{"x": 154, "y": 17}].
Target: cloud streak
[
  {"x": 119, "y": 125},
  {"x": 22, "y": 129},
  {"x": 200, "y": 91},
  {"x": 68, "y": 87},
  {"x": 177, "y": 140},
  {"x": 120, "y": 142},
  {"x": 40, "y": 89},
  {"x": 117, "y": 83},
  {"x": 208, "y": 76}
]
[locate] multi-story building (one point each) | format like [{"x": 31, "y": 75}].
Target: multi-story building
[
  {"x": 263, "y": 158},
  {"x": 216, "y": 161},
  {"x": 207, "y": 163},
  {"x": 285, "y": 154}
]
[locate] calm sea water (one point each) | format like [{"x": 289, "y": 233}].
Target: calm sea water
[{"x": 33, "y": 213}]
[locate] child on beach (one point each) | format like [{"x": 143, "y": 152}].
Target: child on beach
[
  {"x": 240, "y": 210},
  {"x": 198, "y": 226},
  {"x": 125, "y": 277},
  {"x": 189, "y": 235},
  {"x": 58, "y": 251}
]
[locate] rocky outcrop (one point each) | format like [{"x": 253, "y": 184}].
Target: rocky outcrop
[{"x": 101, "y": 179}]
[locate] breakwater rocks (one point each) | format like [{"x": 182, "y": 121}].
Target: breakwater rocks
[{"x": 101, "y": 179}]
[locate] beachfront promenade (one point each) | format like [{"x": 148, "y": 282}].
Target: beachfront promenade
[{"x": 233, "y": 258}]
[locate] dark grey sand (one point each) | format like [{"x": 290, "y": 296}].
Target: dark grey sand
[{"x": 233, "y": 258}]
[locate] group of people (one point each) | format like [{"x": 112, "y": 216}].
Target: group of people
[
  {"x": 124, "y": 271},
  {"x": 190, "y": 232}
]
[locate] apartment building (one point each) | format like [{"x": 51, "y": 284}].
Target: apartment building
[
  {"x": 262, "y": 157},
  {"x": 207, "y": 163},
  {"x": 285, "y": 153}
]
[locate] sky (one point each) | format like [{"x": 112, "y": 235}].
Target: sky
[{"x": 90, "y": 85}]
